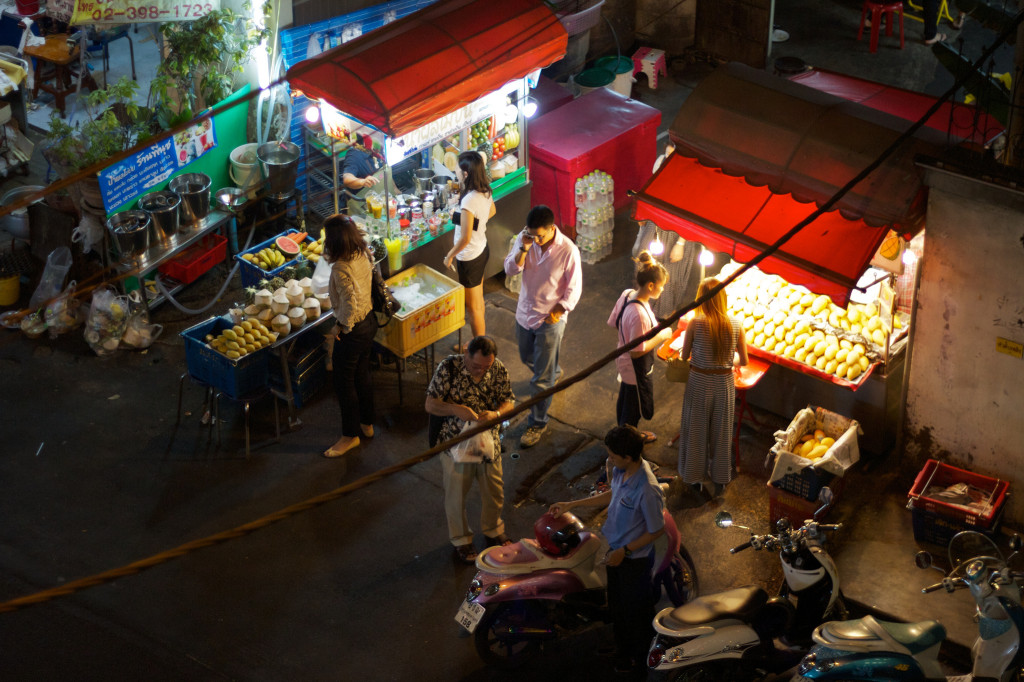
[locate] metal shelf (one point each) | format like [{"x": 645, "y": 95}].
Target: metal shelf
[{"x": 323, "y": 173}]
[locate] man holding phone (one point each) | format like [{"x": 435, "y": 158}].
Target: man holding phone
[{"x": 552, "y": 282}]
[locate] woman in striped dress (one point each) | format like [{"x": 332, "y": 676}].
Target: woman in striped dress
[{"x": 714, "y": 344}]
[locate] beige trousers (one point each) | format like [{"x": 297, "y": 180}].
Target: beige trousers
[{"x": 458, "y": 479}]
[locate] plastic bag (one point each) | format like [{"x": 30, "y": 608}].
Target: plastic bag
[
  {"x": 57, "y": 265},
  {"x": 89, "y": 232},
  {"x": 64, "y": 313},
  {"x": 321, "y": 277},
  {"x": 108, "y": 317},
  {"x": 139, "y": 334},
  {"x": 479, "y": 448}
]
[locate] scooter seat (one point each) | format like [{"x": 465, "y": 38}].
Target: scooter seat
[
  {"x": 868, "y": 633},
  {"x": 526, "y": 556},
  {"x": 739, "y": 603}
]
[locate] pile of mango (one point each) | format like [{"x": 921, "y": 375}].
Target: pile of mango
[
  {"x": 245, "y": 337},
  {"x": 792, "y": 322},
  {"x": 814, "y": 445}
]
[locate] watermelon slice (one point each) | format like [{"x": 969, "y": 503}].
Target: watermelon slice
[{"x": 287, "y": 246}]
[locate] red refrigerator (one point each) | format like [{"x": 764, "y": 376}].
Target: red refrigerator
[{"x": 601, "y": 130}]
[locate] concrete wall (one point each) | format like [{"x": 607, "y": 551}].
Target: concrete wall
[
  {"x": 964, "y": 396},
  {"x": 664, "y": 24}
]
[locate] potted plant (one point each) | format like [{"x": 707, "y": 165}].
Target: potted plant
[
  {"x": 114, "y": 123},
  {"x": 201, "y": 59}
]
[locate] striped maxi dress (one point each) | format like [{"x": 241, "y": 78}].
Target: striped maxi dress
[{"x": 709, "y": 406}]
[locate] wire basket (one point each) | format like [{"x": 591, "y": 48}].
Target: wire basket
[{"x": 583, "y": 20}]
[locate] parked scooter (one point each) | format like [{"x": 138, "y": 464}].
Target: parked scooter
[
  {"x": 530, "y": 592},
  {"x": 869, "y": 649},
  {"x": 731, "y": 635}
]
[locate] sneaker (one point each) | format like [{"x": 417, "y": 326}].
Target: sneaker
[
  {"x": 531, "y": 436},
  {"x": 466, "y": 553}
]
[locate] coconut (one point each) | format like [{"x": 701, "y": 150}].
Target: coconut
[
  {"x": 280, "y": 304},
  {"x": 263, "y": 297},
  {"x": 265, "y": 315},
  {"x": 281, "y": 325},
  {"x": 252, "y": 310},
  {"x": 307, "y": 286},
  {"x": 325, "y": 301},
  {"x": 280, "y": 290},
  {"x": 312, "y": 308},
  {"x": 294, "y": 292},
  {"x": 296, "y": 316}
]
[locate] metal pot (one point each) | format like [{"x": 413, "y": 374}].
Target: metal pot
[
  {"x": 440, "y": 186},
  {"x": 194, "y": 190},
  {"x": 162, "y": 208},
  {"x": 130, "y": 230},
  {"x": 421, "y": 179},
  {"x": 16, "y": 223}
]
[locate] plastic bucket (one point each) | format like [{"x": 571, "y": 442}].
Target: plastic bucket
[
  {"x": 27, "y": 7},
  {"x": 622, "y": 67},
  {"x": 279, "y": 168},
  {"x": 10, "y": 289},
  {"x": 245, "y": 172},
  {"x": 592, "y": 79},
  {"x": 194, "y": 191},
  {"x": 162, "y": 208}
]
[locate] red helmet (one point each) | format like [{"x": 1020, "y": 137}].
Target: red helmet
[{"x": 558, "y": 535}]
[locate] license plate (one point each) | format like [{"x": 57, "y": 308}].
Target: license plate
[{"x": 469, "y": 615}]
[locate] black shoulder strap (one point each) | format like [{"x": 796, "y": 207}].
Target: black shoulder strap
[{"x": 618, "y": 320}]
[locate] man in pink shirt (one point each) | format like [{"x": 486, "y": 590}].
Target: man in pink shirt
[{"x": 552, "y": 282}]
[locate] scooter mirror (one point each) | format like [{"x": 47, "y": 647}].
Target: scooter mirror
[
  {"x": 723, "y": 519},
  {"x": 826, "y": 496},
  {"x": 923, "y": 560},
  {"x": 1016, "y": 543}
]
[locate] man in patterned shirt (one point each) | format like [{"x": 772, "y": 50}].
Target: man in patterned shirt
[{"x": 472, "y": 387}]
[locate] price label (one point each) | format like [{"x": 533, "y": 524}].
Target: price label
[{"x": 140, "y": 11}]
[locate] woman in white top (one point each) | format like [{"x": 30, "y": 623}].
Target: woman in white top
[{"x": 470, "y": 251}]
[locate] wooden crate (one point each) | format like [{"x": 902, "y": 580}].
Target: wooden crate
[{"x": 410, "y": 331}]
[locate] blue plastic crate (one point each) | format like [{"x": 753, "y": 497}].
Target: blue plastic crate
[
  {"x": 234, "y": 378},
  {"x": 252, "y": 274},
  {"x": 308, "y": 383}
]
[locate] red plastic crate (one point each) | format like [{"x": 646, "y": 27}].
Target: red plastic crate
[
  {"x": 935, "y": 473},
  {"x": 196, "y": 259}
]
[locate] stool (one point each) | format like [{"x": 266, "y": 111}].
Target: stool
[
  {"x": 880, "y": 10},
  {"x": 745, "y": 379},
  {"x": 54, "y": 61},
  {"x": 650, "y": 61}
]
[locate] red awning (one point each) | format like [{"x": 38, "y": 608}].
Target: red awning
[
  {"x": 959, "y": 120},
  {"x": 411, "y": 72},
  {"x": 729, "y": 215}
]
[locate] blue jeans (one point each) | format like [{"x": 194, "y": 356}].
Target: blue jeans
[{"x": 538, "y": 349}]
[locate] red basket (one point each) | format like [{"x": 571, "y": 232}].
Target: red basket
[
  {"x": 935, "y": 473},
  {"x": 196, "y": 259}
]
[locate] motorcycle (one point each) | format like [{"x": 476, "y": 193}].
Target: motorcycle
[
  {"x": 870, "y": 649},
  {"x": 731, "y": 635},
  {"x": 534, "y": 591}
]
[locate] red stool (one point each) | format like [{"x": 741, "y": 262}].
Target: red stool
[
  {"x": 746, "y": 377},
  {"x": 880, "y": 10}
]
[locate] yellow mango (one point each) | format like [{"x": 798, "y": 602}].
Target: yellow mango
[
  {"x": 828, "y": 442},
  {"x": 820, "y": 303},
  {"x": 759, "y": 340},
  {"x": 818, "y": 434},
  {"x": 780, "y": 333},
  {"x": 852, "y": 313},
  {"x": 806, "y": 448},
  {"x": 830, "y": 366},
  {"x": 820, "y": 347},
  {"x": 818, "y": 451},
  {"x": 769, "y": 328},
  {"x": 806, "y": 437},
  {"x": 831, "y": 351},
  {"x": 878, "y": 336},
  {"x": 842, "y": 353},
  {"x": 853, "y": 357},
  {"x": 790, "y": 337},
  {"x": 864, "y": 363},
  {"x": 820, "y": 363},
  {"x": 800, "y": 355},
  {"x": 841, "y": 369},
  {"x": 845, "y": 343},
  {"x": 229, "y": 334},
  {"x": 853, "y": 371}
]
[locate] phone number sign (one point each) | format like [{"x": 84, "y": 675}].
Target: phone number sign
[{"x": 137, "y": 11}]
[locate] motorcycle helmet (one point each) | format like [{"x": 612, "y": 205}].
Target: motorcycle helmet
[{"x": 558, "y": 535}]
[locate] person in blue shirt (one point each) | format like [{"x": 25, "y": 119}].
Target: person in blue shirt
[{"x": 635, "y": 520}]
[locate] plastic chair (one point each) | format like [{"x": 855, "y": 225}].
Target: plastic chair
[
  {"x": 101, "y": 39},
  {"x": 878, "y": 11}
]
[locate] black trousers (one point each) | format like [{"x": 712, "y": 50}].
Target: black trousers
[
  {"x": 627, "y": 407},
  {"x": 352, "y": 382},
  {"x": 631, "y": 606}
]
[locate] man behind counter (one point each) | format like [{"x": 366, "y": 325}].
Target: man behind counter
[{"x": 361, "y": 171}]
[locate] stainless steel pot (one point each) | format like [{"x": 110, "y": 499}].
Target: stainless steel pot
[
  {"x": 130, "y": 230},
  {"x": 421, "y": 179},
  {"x": 162, "y": 208},
  {"x": 440, "y": 186}
]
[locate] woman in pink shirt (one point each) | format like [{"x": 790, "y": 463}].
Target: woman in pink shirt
[{"x": 633, "y": 317}]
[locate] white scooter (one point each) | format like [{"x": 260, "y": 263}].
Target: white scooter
[
  {"x": 869, "y": 649},
  {"x": 731, "y": 635}
]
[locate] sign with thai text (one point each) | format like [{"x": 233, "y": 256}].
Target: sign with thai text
[
  {"x": 1009, "y": 347},
  {"x": 140, "y": 11}
]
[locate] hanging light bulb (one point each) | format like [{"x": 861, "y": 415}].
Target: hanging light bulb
[
  {"x": 529, "y": 107},
  {"x": 656, "y": 247},
  {"x": 909, "y": 257},
  {"x": 312, "y": 113},
  {"x": 706, "y": 258}
]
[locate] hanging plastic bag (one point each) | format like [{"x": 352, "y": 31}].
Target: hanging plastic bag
[
  {"x": 139, "y": 334},
  {"x": 57, "y": 265},
  {"x": 89, "y": 232},
  {"x": 321, "y": 277},
  {"x": 64, "y": 313},
  {"x": 108, "y": 317},
  {"x": 479, "y": 448}
]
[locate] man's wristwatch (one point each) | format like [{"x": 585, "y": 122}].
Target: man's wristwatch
[
  {"x": 524, "y": 250},
  {"x": 628, "y": 551}
]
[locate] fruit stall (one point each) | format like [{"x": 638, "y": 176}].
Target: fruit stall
[
  {"x": 821, "y": 308},
  {"x": 451, "y": 77}
]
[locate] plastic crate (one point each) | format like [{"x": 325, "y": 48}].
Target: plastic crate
[
  {"x": 308, "y": 383},
  {"x": 939, "y": 529},
  {"x": 410, "y": 331},
  {"x": 990, "y": 490},
  {"x": 252, "y": 274},
  {"x": 806, "y": 483},
  {"x": 197, "y": 259},
  {"x": 782, "y": 504},
  {"x": 234, "y": 378}
]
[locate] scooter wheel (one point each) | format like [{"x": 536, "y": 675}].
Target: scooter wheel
[
  {"x": 495, "y": 636},
  {"x": 679, "y": 580}
]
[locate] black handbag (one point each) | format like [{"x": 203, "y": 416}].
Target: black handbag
[{"x": 384, "y": 302}]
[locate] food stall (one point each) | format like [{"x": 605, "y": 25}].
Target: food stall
[
  {"x": 453, "y": 76},
  {"x": 754, "y": 153}
]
